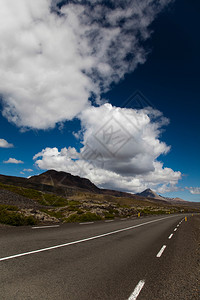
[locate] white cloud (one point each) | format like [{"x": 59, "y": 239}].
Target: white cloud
[
  {"x": 5, "y": 144},
  {"x": 52, "y": 62},
  {"x": 120, "y": 150},
  {"x": 194, "y": 190},
  {"x": 13, "y": 161},
  {"x": 27, "y": 170}
]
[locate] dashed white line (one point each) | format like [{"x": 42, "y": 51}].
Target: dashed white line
[
  {"x": 178, "y": 225},
  {"x": 107, "y": 221},
  {"x": 43, "y": 227},
  {"x": 175, "y": 229},
  {"x": 161, "y": 251},
  {"x": 82, "y": 240},
  {"x": 86, "y": 223},
  {"x": 171, "y": 235},
  {"x": 137, "y": 290}
]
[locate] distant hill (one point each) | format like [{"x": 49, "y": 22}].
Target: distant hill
[
  {"x": 63, "y": 179},
  {"x": 150, "y": 194},
  {"x": 63, "y": 183},
  {"x": 39, "y": 199},
  {"x": 174, "y": 200}
]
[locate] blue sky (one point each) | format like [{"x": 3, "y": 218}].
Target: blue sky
[{"x": 168, "y": 77}]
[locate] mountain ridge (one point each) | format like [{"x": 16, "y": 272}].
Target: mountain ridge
[
  {"x": 151, "y": 194},
  {"x": 56, "y": 181}
]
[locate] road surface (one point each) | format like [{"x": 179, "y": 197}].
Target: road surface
[{"x": 147, "y": 258}]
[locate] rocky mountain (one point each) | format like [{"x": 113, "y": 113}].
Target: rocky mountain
[
  {"x": 62, "y": 183},
  {"x": 63, "y": 179},
  {"x": 148, "y": 193},
  {"x": 174, "y": 200},
  {"x": 53, "y": 197}
]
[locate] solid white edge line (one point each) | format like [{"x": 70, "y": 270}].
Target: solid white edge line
[
  {"x": 137, "y": 290},
  {"x": 86, "y": 223},
  {"x": 82, "y": 240},
  {"x": 49, "y": 226},
  {"x": 171, "y": 235},
  {"x": 161, "y": 251},
  {"x": 108, "y": 221}
]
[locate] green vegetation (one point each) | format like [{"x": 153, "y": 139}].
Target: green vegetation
[
  {"x": 8, "y": 207},
  {"x": 109, "y": 215},
  {"x": 73, "y": 205},
  {"x": 29, "y": 193},
  {"x": 10, "y": 216},
  {"x": 56, "y": 214},
  {"x": 42, "y": 198},
  {"x": 148, "y": 211},
  {"x": 60, "y": 207},
  {"x": 86, "y": 217},
  {"x": 52, "y": 200}
]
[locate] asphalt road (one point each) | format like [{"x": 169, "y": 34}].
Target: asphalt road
[{"x": 125, "y": 259}]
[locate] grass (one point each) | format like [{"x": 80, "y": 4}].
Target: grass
[
  {"x": 52, "y": 200},
  {"x": 56, "y": 214},
  {"x": 85, "y": 217},
  {"x": 8, "y": 207},
  {"x": 9, "y": 215},
  {"x": 29, "y": 193},
  {"x": 109, "y": 215},
  {"x": 42, "y": 198},
  {"x": 147, "y": 211}
]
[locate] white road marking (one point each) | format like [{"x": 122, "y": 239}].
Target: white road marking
[
  {"x": 161, "y": 251},
  {"x": 49, "y": 226},
  {"x": 86, "y": 223},
  {"x": 178, "y": 225},
  {"x": 123, "y": 219},
  {"x": 175, "y": 229},
  {"x": 83, "y": 240},
  {"x": 137, "y": 290},
  {"x": 171, "y": 235},
  {"x": 107, "y": 221}
]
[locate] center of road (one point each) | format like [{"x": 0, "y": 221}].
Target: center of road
[{"x": 82, "y": 240}]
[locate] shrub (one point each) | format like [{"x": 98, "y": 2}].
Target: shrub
[
  {"x": 43, "y": 198},
  {"x": 152, "y": 212},
  {"x": 15, "y": 218},
  {"x": 109, "y": 215},
  {"x": 86, "y": 217},
  {"x": 8, "y": 207},
  {"x": 53, "y": 200},
  {"x": 56, "y": 214}
]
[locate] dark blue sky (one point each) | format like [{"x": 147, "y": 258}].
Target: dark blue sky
[{"x": 169, "y": 79}]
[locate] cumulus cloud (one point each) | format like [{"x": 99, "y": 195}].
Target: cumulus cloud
[
  {"x": 54, "y": 58},
  {"x": 13, "y": 161},
  {"x": 120, "y": 150},
  {"x": 5, "y": 144},
  {"x": 194, "y": 190}
]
